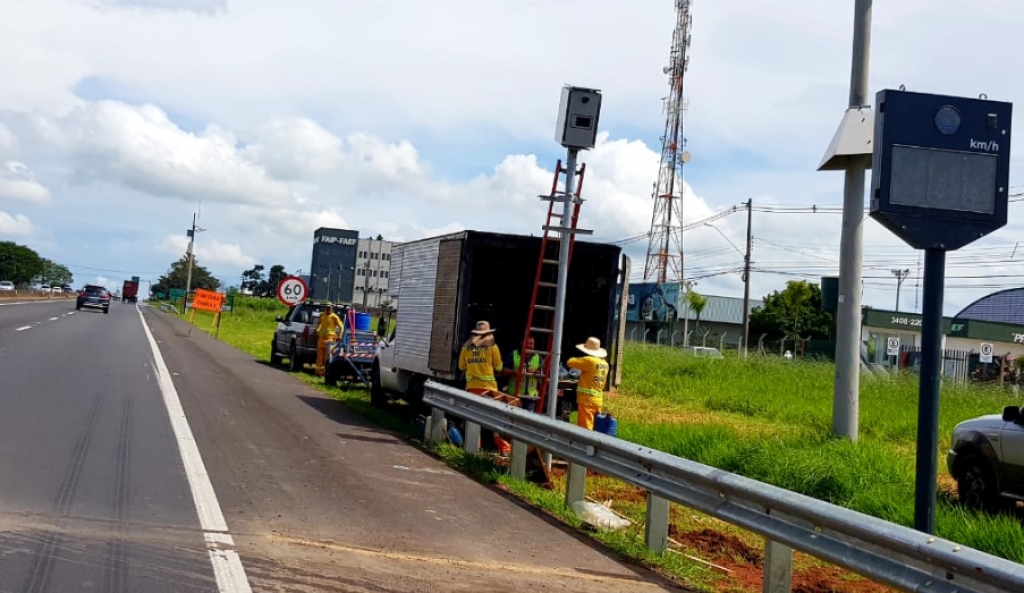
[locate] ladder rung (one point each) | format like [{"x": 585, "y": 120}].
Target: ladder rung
[
  {"x": 548, "y": 284},
  {"x": 544, "y": 307},
  {"x": 551, "y": 261},
  {"x": 559, "y": 229},
  {"x": 528, "y": 351},
  {"x": 542, "y": 330}
]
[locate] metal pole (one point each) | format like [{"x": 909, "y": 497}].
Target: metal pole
[
  {"x": 899, "y": 282},
  {"x": 928, "y": 404},
  {"x": 746, "y": 277},
  {"x": 191, "y": 257},
  {"x": 846, "y": 398},
  {"x": 563, "y": 277}
]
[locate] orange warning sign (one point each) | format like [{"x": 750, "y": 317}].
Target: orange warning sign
[{"x": 207, "y": 300}]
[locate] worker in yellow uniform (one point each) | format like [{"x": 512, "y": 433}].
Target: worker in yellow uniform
[
  {"x": 593, "y": 374},
  {"x": 480, "y": 360},
  {"x": 327, "y": 330}
]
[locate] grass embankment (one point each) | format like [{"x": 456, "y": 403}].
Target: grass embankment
[{"x": 764, "y": 418}]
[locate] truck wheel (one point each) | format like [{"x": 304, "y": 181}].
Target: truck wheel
[
  {"x": 414, "y": 392},
  {"x": 976, "y": 485},
  {"x": 275, "y": 358},
  {"x": 294, "y": 364},
  {"x": 378, "y": 397}
]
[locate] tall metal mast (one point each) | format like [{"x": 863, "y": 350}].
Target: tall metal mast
[{"x": 665, "y": 245}]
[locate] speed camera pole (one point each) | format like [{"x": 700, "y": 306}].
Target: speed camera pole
[
  {"x": 930, "y": 382},
  {"x": 922, "y": 141}
]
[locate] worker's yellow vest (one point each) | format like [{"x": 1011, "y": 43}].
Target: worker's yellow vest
[{"x": 528, "y": 385}]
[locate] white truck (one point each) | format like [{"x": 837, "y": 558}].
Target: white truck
[{"x": 444, "y": 285}]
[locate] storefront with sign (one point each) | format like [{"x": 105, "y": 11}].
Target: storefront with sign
[{"x": 967, "y": 335}]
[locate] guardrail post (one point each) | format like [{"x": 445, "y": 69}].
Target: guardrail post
[
  {"x": 472, "y": 437},
  {"x": 656, "y": 526},
  {"x": 778, "y": 568},
  {"x": 576, "y": 484},
  {"x": 517, "y": 465}
]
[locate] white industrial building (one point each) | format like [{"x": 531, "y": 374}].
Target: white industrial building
[{"x": 373, "y": 268}]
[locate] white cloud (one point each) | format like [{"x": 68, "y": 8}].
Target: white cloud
[
  {"x": 17, "y": 225},
  {"x": 208, "y": 251},
  {"x": 197, "y": 6},
  {"x": 290, "y": 148},
  {"x": 18, "y": 183},
  {"x": 141, "y": 148}
]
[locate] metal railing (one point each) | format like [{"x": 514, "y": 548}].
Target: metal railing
[{"x": 884, "y": 552}]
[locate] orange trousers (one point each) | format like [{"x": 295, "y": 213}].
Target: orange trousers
[
  {"x": 321, "y": 354},
  {"x": 586, "y": 409},
  {"x": 503, "y": 446}
]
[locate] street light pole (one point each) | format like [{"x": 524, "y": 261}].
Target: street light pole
[
  {"x": 746, "y": 277},
  {"x": 901, "y": 275},
  {"x": 191, "y": 255}
]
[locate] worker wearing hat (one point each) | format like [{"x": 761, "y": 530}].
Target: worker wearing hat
[
  {"x": 593, "y": 374},
  {"x": 480, "y": 360},
  {"x": 327, "y": 330}
]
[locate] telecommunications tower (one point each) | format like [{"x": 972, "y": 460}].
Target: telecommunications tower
[{"x": 665, "y": 246}]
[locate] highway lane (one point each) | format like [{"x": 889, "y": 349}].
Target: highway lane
[
  {"x": 93, "y": 492},
  {"x": 14, "y": 316},
  {"x": 317, "y": 499}
]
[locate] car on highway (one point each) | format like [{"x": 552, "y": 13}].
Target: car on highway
[
  {"x": 93, "y": 297},
  {"x": 6, "y": 286},
  {"x": 986, "y": 459}
]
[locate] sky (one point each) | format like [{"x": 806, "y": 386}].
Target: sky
[{"x": 121, "y": 118}]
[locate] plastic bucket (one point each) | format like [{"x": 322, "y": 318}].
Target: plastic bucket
[
  {"x": 606, "y": 424},
  {"x": 364, "y": 321}
]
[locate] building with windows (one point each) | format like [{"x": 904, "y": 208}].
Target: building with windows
[
  {"x": 373, "y": 269},
  {"x": 333, "y": 268}
]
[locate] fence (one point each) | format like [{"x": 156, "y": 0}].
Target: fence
[{"x": 897, "y": 556}]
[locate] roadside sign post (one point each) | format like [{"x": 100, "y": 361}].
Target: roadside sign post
[
  {"x": 892, "y": 348},
  {"x": 207, "y": 300},
  {"x": 939, "y": 179},
  {"x": 292, "y": 290},
  {"x": 986, "y": 353}
]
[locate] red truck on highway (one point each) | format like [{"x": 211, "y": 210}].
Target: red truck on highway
[{"x": 130, "y": 291}]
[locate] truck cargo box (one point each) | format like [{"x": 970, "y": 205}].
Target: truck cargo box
[{"x": 444, "y": 285}]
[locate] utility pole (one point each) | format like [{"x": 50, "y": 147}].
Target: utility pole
[
  {"x": 746, "y": 277},
  {"x": 688, "y": 285},
  {"x": 851, "y": 150},
  {"x": 191, "y": 255},
  {"x": 901, "y": 275}
]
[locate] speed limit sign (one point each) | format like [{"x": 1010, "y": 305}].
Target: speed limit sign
[{"x": 292, "y": 290}]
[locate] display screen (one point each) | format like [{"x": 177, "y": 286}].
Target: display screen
[{"x": 943, "y": 179}]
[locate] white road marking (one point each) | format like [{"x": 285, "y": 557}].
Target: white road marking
[
  {"x": 227, "y": 565},
  {"x": 54, "y": 318},
  {"x": 71, "y": 312},
  {"x": 23, "y": 328}
]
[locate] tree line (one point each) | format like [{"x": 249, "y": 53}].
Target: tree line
[
  {"x": 24, "y": 267},
  {"x": 261, "y": 284}
]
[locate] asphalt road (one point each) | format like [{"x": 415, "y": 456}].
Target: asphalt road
[
  {"x": 281, "y": 489},
  {"x": 93, "y": 494}
]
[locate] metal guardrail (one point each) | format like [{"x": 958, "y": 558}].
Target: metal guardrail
[{"x": 887, "y": 553}]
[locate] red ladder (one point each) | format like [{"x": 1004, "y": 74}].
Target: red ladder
[{"x": 540, "y": 321}]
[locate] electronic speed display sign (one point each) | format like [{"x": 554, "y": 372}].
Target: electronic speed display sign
[{"x": 940, "y": 167}]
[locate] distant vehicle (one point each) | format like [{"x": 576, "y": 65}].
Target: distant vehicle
[
  {"x": 987, "y": 459},
  {"x": 45, "y": 288},
  {"x": 55, "y": 290},
  {"x": 93, "y": 297},
  {"x": 706, "y": 352},
  {"x": 67, "y": 289},
  {"x": 130, "y": 292},
  {"x": 6, "y": 286}
]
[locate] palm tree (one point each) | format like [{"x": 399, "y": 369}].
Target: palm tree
[{"x": 696, "y": 303}]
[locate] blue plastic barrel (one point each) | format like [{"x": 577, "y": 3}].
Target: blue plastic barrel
[
  {"x": 606, "y": 424},
  {"x": 364, "y": 322}
]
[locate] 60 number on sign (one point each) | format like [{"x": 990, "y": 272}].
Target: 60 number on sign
[{"x": 292, "y": 290}]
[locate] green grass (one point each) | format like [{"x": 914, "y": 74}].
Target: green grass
[{"x": 765, "y": 418}]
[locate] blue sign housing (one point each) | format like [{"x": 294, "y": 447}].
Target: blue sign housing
[{"x": 941, "y": 167}]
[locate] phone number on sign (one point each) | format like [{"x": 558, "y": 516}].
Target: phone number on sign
[{"x": 905, "y": 321}]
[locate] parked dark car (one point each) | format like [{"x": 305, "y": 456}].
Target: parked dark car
[{"x": 93, "y": 297}]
